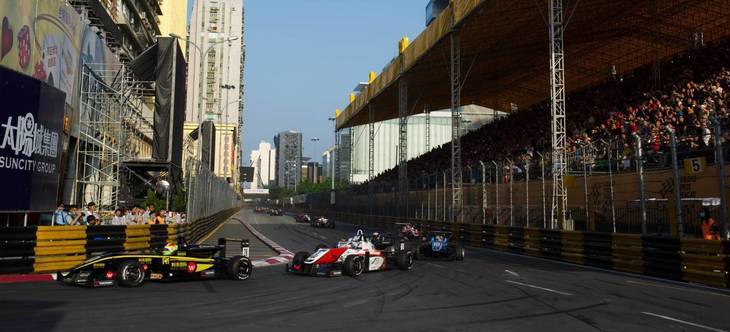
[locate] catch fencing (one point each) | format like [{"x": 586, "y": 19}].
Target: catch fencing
[{"x": 207, "y": 194}]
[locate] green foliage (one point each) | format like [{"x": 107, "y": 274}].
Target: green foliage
[
  {"x": 153, "y": 199},
  {"x": 179, "y": 200}
]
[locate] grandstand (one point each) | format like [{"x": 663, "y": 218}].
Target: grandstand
[{"x": 631, "y": 68}]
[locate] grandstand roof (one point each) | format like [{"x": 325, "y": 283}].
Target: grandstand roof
[{"x": 504, "y": 49}]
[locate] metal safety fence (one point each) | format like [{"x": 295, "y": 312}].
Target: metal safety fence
[{"x": 207, "y": 194}]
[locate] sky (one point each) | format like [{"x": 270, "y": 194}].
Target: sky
[{"x": 304, "y": 57}]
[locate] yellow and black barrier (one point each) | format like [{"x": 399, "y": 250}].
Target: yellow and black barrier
[
  {"x": 43, "y": 249},
  {"x": 691, "y": 260}
]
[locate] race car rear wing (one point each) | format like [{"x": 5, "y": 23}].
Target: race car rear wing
[{"x": 244, "y": 246}]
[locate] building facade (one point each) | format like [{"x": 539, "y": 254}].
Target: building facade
[
  {"x": 215, "y": 81},
  {"x": 288, "y": 158},
  {"x": 263, "y": 162},
  {"x": 174, "y": 19},
  {"x": 127, "y": 27},
  {"x": 386, "y": 138}
]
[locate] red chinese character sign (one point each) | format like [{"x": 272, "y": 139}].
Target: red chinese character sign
[{"x": 31, "y": 131}]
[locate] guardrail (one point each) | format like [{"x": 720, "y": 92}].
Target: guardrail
[
  {"x": 43, "y": 249},
  {"x": 690, "y": 260}
]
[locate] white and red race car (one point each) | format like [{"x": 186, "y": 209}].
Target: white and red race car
[{"x": 352, "y": 257}]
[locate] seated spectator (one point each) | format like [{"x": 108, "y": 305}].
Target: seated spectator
[
  {"x": 148, "y": 212},
  {"x": 119, "y": 218},
  {"x": 91, "y": 220}
]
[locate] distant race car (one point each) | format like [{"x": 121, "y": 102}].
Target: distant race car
[
  {"x": 351, "y": 257},
  {"x": 274, "y": 212},
  {"x": 259, "y": 209},
  {"x": 321, "y": 222},
  {"x": 170, "y": 263},
  {"x": 303, "y": 218},
  {"x": 439, "y": 244}
]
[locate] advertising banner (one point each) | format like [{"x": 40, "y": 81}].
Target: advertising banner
[
  {"x": 31, "y": 129},
  {"x": 47, "y": 40}
]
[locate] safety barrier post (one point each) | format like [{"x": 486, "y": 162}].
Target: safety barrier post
[
  {"x": 610, "y": 187},
  {"x": 720, "y": 164},
  {"x": 640, "y": 172},
  {"x": 544, "y": 202},
  {"x": 484, "y": 193},
  {"x": 675, "y": 176},
  {"x": 496, "y": 193},
  {"x": 527, "y": 193},
  {"x": 511, "y": 205}
]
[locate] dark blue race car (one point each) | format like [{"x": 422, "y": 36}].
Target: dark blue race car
[{"x": 441, "y": 245}]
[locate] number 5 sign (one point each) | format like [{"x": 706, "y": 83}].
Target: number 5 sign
[{"x": 694, "y": 166}]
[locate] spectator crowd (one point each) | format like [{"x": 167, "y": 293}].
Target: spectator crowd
[
  {"x": 89, "y": 216},
  {"x": 694, "y": 90}
]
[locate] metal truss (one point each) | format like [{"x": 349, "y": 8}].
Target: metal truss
[
  {"x": 557, "y": 107},
  {"x": 371, "y": 155},
  {"x": 403, "y": 146},
  {"x": 456, "y": 175}
]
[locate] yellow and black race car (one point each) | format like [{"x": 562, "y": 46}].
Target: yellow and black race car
[{"x": 185, "y": 262}]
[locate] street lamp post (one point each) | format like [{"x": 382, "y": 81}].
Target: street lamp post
[{"x": 332, "y": 161}]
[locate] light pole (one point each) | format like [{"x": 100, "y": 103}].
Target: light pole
[
  {"x": 200, "y": 83},
  {"x": 332, "y": 160},
  {"x": 315, "y": 139}
]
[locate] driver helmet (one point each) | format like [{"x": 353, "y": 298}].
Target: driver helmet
[{"x": 169, "y": 249}]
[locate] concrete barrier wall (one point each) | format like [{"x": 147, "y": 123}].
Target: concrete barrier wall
[{"x": 43, "y": 249}]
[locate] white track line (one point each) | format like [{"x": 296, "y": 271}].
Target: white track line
[
  {"x": 513, "y": 273},
  {"x": 683, "y": 322},
  {"x": 538, "y": 287},
  {"x": 677, "y": 288}
]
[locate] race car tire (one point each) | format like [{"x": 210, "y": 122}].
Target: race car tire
[
  {"x": 404, "y": 260},
  {"x": 353, "y": 266},
  {"x": 459, "y": 253},
  {"x": 239, "y": 268},
  {"x": 130, "y": 274},
  {"x": 320, "y": 246}
]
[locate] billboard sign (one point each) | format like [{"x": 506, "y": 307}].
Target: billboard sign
[{"x": 31, "y": 140}]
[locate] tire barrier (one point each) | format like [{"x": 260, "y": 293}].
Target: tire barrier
[
  {"x": 691, "y": 260},
  {"x": 43, "y": 249}
]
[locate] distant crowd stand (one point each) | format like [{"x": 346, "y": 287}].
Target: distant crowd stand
[{"x": 89, "y": 216}]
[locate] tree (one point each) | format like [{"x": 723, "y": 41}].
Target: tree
[
  {"x": 153, "y": 199},
  {"x": 179, "y": 200}
]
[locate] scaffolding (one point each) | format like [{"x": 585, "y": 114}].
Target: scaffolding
[{"x": 114, "y": 126}]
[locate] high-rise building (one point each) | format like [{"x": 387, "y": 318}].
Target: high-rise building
[
  {"x": 263, "y": 162},
  {"x": 127, "y": 27},
  {"x": 215, "y": 81},
  {"x": 314, "y": 172},
  {"x": 174, "y": 19},
  {"x": 288, "y": 158}
]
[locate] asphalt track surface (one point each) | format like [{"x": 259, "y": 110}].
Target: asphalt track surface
[{"x": 489, "y": 291}]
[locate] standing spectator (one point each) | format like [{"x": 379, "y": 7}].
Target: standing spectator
[
  {"x": 77, "y": 215},
  {"x": 119, "y": 218},
  {"x": 153, "y": 218},
  {"x": 91, "y": 211},
  {"x": 148, "y": 213},
  {"x": 709, "y": 226},
  {"x": 61, "y": 217},
  {"x": 161, "y": 217}
]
